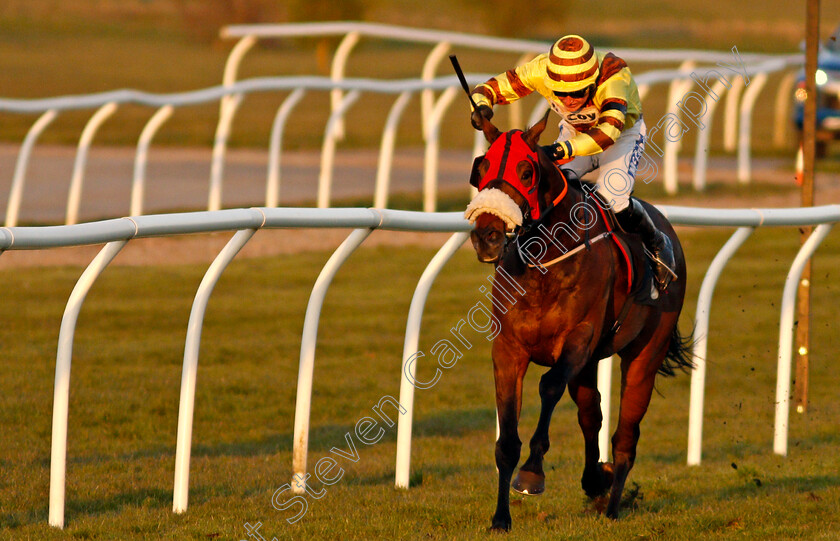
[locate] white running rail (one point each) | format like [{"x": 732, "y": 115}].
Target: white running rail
[{"x": 231, "y": 92}]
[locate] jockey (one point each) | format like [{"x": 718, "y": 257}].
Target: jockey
[{"x": 601, "y": 127}]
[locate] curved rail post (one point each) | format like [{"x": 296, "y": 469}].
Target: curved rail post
[
  {"x": 783, "y": 98},
  {"x": 386, "y": 151},
  {"x": 234, "y": 59},
  {"x": 730, "y": 124},
  {"x": 227, "y": 110},
  {"x": 309, "y": 338},
  {"x": 786, "y": 327},
  {"x": 19, "y": 178},
  {"x": 427, "y": 96},
  {"x": 676, "y": 90},
  {"x": 61, "y": 399},
  {"x": 745, "y": 129},
  {"x": 141, "y": 158},
  {"x": 228, "y": 106},
  {"x": 74, "y": 197},
  {"x": 328, "y": 150},
  {"x": 701, "y": 332},
  {"x": 605, "y": 389},
  {"x": 412, "y": 338},
  {"x": 275, "y": 147},
  {"x": 432, "y": 151},
  {"x": 181, "y": 491},
  {"x": 701, "y": 150},
  {"x": 339, "y": 63}
]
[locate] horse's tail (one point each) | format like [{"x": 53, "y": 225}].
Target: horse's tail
[{"x": 679, "y": 354}]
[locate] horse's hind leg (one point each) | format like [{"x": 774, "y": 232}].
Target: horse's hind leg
[
  {"x": 531, "y": 477},
  {"x": 584, "y": 391},
  {"x": 636, "y": 388}
]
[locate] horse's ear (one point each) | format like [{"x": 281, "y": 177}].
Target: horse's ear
[
  {"x": 532, "y": 136},
  {"x": 475, "y": 176}
]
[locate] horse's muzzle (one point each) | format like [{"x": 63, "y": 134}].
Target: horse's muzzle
[{"x": 489, "y": 244}]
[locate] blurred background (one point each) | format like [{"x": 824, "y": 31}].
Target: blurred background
[{"x": 50, "y": 48}]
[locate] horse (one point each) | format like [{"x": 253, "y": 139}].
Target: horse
[{"x": 576, "y": 306}]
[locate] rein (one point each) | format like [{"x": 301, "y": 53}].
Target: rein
[
  {"x": 504, "y": 158},
  {"x": 570, "y": 253},
  {"x": 526, "y": 228}
]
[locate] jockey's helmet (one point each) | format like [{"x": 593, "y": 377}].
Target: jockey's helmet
[{"x": 572, "y": 65}]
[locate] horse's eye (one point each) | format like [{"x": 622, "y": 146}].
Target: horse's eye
[
  {"x": 483, "y": 167},
  {"x": 525, "y": 172}
]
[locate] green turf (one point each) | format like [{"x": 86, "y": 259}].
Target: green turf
[{"x": 125, "y": 385}]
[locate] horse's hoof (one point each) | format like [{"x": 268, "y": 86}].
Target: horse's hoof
[
  {"x": 529, "y": 483},
  {"x": 500, "y": 527},
  {"x": 596, "y": 481},
  {"x": 501, "y": 524},
  {"x": 612, "y": 509}
]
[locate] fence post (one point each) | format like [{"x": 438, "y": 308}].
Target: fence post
[
  {"x": 677, "y": 90},
  {"x": 227, "y": 110},
  {"x": 427, "y": 96},
  {"x": 303, "y": 402},
  {"x": 139, "y": 181},
  {"x": 186, "y": 404},
  {"x": 75, "y": 196},
  {"x": 745, "y": 129},
  {"x": 18, "y": 181},
  {"x": 61, "y": 398},
  {"x": 605, "y": 367},
  {"x": 275, "y": 147},
  {"x": 701, "y": 150},
  {"x": 386, "y": 151},
  {"x": 701, "y": 333},
  {"x": 328, "y": 150},
  {"x": 432, "y": 151},
  {"x": 339, "y": 63},
  {"x": 730, "y": 125},
  {"x": 412, "y": 339},
  {"x": 786, "y": 327}
]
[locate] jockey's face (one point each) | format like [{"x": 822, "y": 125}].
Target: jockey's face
[{"x": 574, "y": 101}]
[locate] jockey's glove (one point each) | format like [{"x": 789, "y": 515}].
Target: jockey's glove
[
  {"x": 560, "y": 151},
  {"x": 479, "y": 115}
]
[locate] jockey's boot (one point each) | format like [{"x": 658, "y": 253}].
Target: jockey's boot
[{"x": 635, "y": 219}]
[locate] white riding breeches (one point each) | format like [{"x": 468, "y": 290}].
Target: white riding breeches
[{"x": 616, "y": 166}]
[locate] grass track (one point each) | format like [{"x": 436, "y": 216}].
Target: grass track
[{"x": 125, "y": 384}]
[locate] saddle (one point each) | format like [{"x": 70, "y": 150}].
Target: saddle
[{"x": 638, "y": 261}]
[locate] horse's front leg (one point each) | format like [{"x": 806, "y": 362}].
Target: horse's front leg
[
  {"x": 509, "y": 366},
  {"x": 573, "y": 358},
  {"x": 531, "y": 477}
]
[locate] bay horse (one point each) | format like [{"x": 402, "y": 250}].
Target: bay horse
[{"x": 576, "y": 307}]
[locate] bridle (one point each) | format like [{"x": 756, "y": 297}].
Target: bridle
[{"x": 504, "y": 156}]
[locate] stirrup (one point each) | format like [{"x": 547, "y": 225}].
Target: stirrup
[{"x": 662, "y": 283}]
